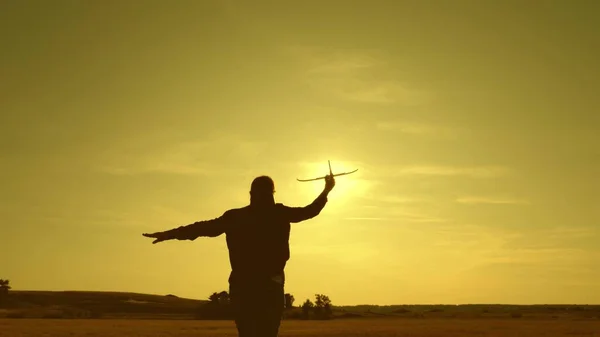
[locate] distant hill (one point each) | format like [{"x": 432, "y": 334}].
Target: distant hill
[{"x": 84, "y": 304}]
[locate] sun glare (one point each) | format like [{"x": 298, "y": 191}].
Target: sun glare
[{"x": 346, "y": 187}]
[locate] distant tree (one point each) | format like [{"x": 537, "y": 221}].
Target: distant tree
[
  {"x": 214, "y": 298},
  {"x": 307, "y": 308},
  {"x": 4, "y": 289},
  {"x": 322, "y": 307},
  {"x": 223, "y": 298},
  {"x": 218, "y": 307},
  {"x": 289, "y": 301}
]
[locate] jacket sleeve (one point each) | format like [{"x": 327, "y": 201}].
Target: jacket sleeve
[
  {"x": 206, "y": 228},
  {"x": 299, "y": 214}
]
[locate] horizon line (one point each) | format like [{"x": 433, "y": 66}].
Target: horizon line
[{"x": 334, "y": 305}]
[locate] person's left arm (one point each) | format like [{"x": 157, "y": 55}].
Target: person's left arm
[{"x": 207, "y": 228}]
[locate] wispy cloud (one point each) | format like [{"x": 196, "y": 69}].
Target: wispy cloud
[
  {"x": 396, "y": 199},
  {"x": 186, "y": 158},
  {"x": 380, "y": 196},
  {"x": 565, "y": 266},
  {"x": 462, "y": 235},
  {"x": 348, "y": 75},
  {"x": 367, "y": 91},
  {"x": 416, "y": 128},
  {"x": 397, "y": 214},
  {"x": 418, "y": 217},
  {"x": 474, "y": 171},
  {"x": 554, "y": 238},
  {"x": 329, "y": 62},
  {"x": 346, "y": 253},
  {"x": 557, "y": 250},
  {"x": 491, "y": 200},
  {"x": 424, "y": 219},
  {"x": 336, "y": 60}
]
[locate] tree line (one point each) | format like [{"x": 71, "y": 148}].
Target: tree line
[{"x": 219, "y": 307}]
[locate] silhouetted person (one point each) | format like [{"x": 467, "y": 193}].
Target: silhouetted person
[{"x": 258, "y": 241}]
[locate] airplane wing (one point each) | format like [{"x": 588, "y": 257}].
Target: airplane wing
[
  {"x": 323, "y": 177},
  {"x": 311, "y": 179},
  {"x": 343, "y": 174}
]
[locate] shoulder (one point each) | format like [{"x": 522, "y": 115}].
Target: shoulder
[
  {"x": 281, "y": 207},
  {"x": 236, "y": 211}
]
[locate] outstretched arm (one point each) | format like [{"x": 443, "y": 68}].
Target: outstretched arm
[
  {"x": 298, "y": 214},
  {"x": 208, "y": 228}
]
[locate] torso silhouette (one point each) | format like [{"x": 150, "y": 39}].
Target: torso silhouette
[
  {"x": 257, "y": 237},
  {"x": 258, "y": 241}
]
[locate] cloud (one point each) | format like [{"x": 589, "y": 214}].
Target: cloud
[
  {"x": 185, "y": 158},
  {"x": 351, "y": 75},
  {"x": 151, "y": 166},
  {"x": 351, "y": 253},
  {"x": 354, "y": 89},
  {"x": 555, "y": 238},
  {"x": 537, "y": 266},
  {"x": 423, "y": 219},
  {"x": 390, "y": 198},
  {"x": 567, "y": 248},
  {"x": 474, "y": 172},
  {"x": 578, "y": 232},
  {"x": 489, "y": 200},
  {"x": 470, "y": 237},
  {"x": 416, "y": 216},
  {"x": 338, "y": 63},
  {"x": 322, "y": 60},
  {"x": 397, "y": 214},
  {"x": 396, "y": 199},
  {"x": 421, "y": 129}
]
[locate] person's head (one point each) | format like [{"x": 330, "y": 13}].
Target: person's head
[{"x": 262, "y": 190}]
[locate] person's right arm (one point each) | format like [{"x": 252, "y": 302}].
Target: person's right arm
[
  {"x": 299, "y": 214},
  {"x": 206, "y": 228}
]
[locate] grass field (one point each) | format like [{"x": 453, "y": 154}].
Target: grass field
[{"x": 346, "y": 327}]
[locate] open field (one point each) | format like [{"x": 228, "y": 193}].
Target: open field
[
  {"x": 89, "y": 314},
  {"x": 349, "y": 327}
]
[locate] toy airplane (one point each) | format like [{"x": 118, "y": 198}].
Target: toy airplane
[{"x": 330, "y": 174}]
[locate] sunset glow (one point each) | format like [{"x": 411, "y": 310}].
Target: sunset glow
[{"x": 474, "y": 127}]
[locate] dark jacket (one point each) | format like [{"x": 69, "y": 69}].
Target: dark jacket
[{"x": 257, "y": 237}]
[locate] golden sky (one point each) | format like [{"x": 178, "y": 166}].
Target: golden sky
[{"x": 474, "y": 126}]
